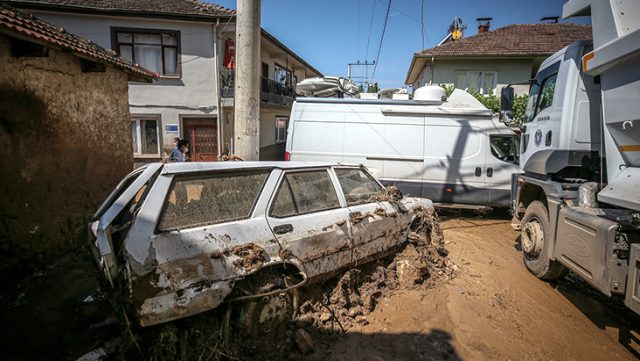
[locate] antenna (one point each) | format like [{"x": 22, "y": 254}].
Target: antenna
[{"x": 550, "y": 19}]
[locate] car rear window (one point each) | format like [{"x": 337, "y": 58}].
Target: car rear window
[
  {"x": 304, "y": 192},
  {"x": 194, "y": 202},
  {"x": 358, "y": 187}
]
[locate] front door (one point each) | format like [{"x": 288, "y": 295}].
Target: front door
[
  {"x": 376, "y": 226},
  {"x": 202, "y": 134}
]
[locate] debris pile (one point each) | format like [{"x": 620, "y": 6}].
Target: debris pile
[{"x": 347, "y": 303}]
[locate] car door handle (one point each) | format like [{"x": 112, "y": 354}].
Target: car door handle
[
  {"x": 478, "y": 171},
  {"x": 489, "y": 172},
  {"x": 283, "y": 228}
]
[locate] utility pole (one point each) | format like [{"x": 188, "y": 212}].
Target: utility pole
[
  {"x": 247, "y": 82},
  {"x": 361, "y": 79}
]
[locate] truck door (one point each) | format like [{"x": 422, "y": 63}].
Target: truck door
[
  {"x": 454, "y": 162},
  {"x": 306, "y": 216},
  {"x": 502, "y": 162}
]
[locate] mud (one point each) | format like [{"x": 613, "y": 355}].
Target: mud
[{"x": 472, "y": 300}]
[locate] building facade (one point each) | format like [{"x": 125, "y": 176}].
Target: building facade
[
  {"x": 490, "y": 60},
  {"x": 185, "y": 42},
  {"x": 64, "y": 126}
]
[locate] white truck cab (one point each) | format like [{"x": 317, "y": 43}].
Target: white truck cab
[{"x": 577, "y": 200}]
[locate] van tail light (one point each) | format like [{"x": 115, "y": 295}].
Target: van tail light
[{"x": 287, "y": 156}]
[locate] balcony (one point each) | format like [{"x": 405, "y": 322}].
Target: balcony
[{"x": 271, "y": 91}]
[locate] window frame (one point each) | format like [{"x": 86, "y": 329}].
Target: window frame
[
  {"x": 483, "y": 73},
  {"x": 115, "y": 46},
  {"x": 286, "y": 125},
  {"x": 135, "y": 118},
  {"x": 366, "y": 173},
  {"x": 288, "y": 77},
  {"x": 204, "y": 175},
  {"x": 516, "y": 147},
  {"x": 272, "y": 201}
]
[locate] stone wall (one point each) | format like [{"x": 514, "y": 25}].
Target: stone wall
[{"x": 65, "y": 138}]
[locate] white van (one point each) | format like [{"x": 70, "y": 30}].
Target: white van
[{"x": 452, "y": 152}]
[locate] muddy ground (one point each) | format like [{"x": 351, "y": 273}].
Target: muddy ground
[{"x": 474, "y": 301}]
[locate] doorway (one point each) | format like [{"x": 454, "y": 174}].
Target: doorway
[{"x": 202, "y": 134}]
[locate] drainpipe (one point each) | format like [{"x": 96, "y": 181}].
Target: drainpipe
[
  {"x": 216, "y": 56},
  {"x": 431, "y": 75}
]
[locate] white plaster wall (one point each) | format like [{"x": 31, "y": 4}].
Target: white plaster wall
[
  {"x": 195, "y": 92},
  {"x": 509, "y": 71}
]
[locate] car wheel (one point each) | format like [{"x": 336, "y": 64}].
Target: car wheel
[
  {"x": 535, "y": 233},
  {"x": 265, "y": 313}
]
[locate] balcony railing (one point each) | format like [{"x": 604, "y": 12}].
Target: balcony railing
[{"x": 271, "y": 91}]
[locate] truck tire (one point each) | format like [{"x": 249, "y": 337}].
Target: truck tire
[{"x": 535, "y": 231}]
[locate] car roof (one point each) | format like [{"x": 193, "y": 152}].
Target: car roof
[{"x": 190, "y": 167}]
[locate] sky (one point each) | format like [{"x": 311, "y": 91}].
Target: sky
[{"x": 329, "y": 34}]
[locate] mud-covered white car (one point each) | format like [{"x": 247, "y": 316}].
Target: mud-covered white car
[{"x": 181, "y": 238}]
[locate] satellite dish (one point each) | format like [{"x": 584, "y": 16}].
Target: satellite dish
[{"x": 456, "y": 35}]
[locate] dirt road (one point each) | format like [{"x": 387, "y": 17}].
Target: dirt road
[{"x": 492, "y": 310}]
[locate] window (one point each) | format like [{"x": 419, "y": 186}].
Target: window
[
  {"x": 194, "y": 202},
  {"x": 155, "y": 50},
  {"x": 146, "y": 136},
  {"x": 281, "y": 129},
  {"x": 304, "y": 192},
  {"x": 505, "y": 147},
  {"x": 540, "y": 97},
  {"x": 483, "y": 82},
  {"x": 282, "y": 75},
  {"x": 358, "y": 187}
]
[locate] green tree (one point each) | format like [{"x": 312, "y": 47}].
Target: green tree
[{"x": 373, "y": 88}]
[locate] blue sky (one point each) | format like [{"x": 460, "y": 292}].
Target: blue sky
[{"x": 331, "y": 33}]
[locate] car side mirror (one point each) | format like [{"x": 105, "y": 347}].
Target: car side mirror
[
  {"x": 395, "y": 193},
  {"x": 506, "y": 104}
]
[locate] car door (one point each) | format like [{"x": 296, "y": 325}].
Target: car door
[
  {"x": 309, "y": 221},
  {"x": 376, "y": 225}
]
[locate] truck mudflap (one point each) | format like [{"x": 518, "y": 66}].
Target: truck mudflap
[{"x": 632, "y": 296}]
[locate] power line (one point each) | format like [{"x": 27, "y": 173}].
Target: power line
[
  {"x": 422, "y": 21},
  {"x": 373, "y": 11},
  {"x": 384, "y": 29},
  {"x": 409, "y": 16},
  {"x": 358, "y": 33}
]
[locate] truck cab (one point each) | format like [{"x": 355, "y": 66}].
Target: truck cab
[{"x": 576, "y": 202}]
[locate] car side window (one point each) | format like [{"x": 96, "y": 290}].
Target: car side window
[
  {"x": 358, "y": 187},
  {"x": 304, "y": 192},
  {"x": 504, "y": 148},
  {"x": 194, "y": 202}
]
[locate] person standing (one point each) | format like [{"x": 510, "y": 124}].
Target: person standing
[{"x": 179, "y": 154}]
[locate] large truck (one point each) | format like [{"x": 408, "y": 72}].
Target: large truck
[{"x": 577, "y": 200}]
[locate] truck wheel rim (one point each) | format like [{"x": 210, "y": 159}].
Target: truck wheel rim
[{"x": 532, "y": 237}]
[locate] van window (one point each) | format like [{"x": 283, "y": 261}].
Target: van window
[
  {"x": 304, "y": 192},
  {"x": 505, "y": 148},
  {"x": 358, "y": 187},
  {"x": 194, "y": 202}
]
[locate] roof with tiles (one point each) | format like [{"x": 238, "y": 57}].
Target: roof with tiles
[
  {"x": 514, "y": 40},
  {"x": 192, "y": 8},
  {"x": 20, "y": 24}
]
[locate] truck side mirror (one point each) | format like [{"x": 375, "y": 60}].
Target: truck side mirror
[{"x": 506, "y": 104}]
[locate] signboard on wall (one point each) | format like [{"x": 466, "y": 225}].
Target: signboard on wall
[{"x": 171, "y": 128}]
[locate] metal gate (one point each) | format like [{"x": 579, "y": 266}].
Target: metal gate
[{"x": 202, "y": 133}]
